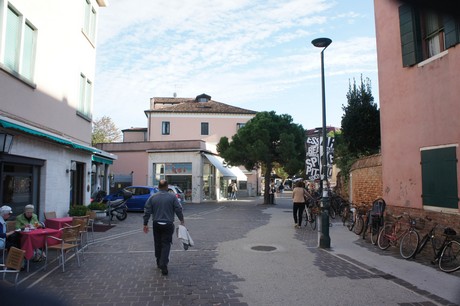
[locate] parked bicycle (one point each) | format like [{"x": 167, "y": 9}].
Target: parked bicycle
[
  {"x": 446, "y": 248},
  {"x": 395, "y": 231},
  {"x": 374, "y": 219},
  {"x": 338, "y": 204},
  {"x": 433, "y": 237},
  {"x": 310, "y": 214},
  {"x": 355, "y": 220},
  {"x": 449, "y": 260}
]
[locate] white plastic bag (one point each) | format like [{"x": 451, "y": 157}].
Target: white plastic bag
[{"x": 184, "y": 236}]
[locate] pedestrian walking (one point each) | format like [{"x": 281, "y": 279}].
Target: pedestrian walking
[
  {"x": 162, "y": 206},
  {"x": 234, "y": 191},
  {"x": 271, "y": 192},
  {"x": 230, "y": 191},
  {"x": 299, "y": 199}
]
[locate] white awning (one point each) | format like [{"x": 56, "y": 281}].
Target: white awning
[{"x": 227, "y": 172}]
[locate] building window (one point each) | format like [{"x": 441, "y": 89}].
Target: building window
[
  {"x": 89, "y": 27},
  {"x": 204, "y": 128},
  {"x": 240, "y": 125},
  {"x": 439, "y": 177},
  {"x": 19, "y": 44},
  {"x": 86, "y": 91},
  {"x": 425, "y": 34},
  {"x": 165, "y": 128},
  {"x": 433, "y": 34}
]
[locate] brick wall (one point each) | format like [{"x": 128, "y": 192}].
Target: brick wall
[
  {"x": 366, "y": 185},
  {"x": 366, "y": 179}
]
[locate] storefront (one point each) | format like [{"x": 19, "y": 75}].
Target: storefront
[
  {"x": 44, "y": 169},
  {"x": 202, "y": 176}
]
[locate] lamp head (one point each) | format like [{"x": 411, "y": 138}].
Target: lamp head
[{"x": 322, "y": 42}]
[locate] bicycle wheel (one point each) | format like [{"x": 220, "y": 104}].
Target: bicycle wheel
[
  {"x": 332, "y": 213},
  {"x": 375, "y": 230},
  {"x": 383, "y": 241},
  {"x": 349, "y": 221},
  {"x": 305, "y": 217},
  {"x": 312, "y": 222},
  {"x": 409, "y": 244},
  {"x": 359, "y": 225},
  {"x": 450, "y": 257}
]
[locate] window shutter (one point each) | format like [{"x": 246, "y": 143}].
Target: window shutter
[
  {"x": 439, "y": 177},
  {"x": 451, "y": 31},
  {"x": 410, "y": 35}
]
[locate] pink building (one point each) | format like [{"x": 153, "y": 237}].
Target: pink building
[
  {"x": 179, "y": 145},
  {"x": 419, "y": 64}
]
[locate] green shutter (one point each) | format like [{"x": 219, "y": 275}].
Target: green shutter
[
  {"x": 439, "y": 178},
  {"x": 451, "y": 31},
  {"x": 410, "y": 35}
]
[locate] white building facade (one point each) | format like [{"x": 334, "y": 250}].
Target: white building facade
[{"x": 47, "y": 72}]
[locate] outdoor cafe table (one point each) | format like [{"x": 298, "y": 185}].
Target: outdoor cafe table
[
  {"x": 35, "y": 239},
  {"x": 58, "y": 223}
]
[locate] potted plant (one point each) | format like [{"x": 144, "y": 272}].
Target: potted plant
[
  {"x": 78, "y": 210},
  {"x": 99, "y": 208}
]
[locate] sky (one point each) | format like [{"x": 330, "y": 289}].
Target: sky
[{"x": 253, "y": 54}]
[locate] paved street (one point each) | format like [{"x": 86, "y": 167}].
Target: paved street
[{"x": 245, "y": 254}]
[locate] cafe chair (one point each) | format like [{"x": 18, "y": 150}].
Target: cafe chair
[
  {"x": 3, "y": 249},
  {"x": 67, "y": 242},
  {"x": 83, "y": 230},
  {"x": 10, "y": 226},
  {"x": 12, "y": 266},
  {"x": 91, "y": 220},
  {"x": 50, "y": 215}
]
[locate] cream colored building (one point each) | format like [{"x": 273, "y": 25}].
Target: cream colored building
[
  {"x": 179, "y": 145},
  {"x": 47, "y": 72}
]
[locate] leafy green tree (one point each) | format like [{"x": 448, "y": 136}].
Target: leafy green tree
[
  {"x": 104, "y": 131},
  {"x": 360, "y": 131},
  {"x": 265, "y": 140}
]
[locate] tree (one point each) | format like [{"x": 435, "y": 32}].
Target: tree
[
  {"x": 266, "y": 139},
  {"x": 104, "y": 130},
  {"x": 360, "y": 131}
]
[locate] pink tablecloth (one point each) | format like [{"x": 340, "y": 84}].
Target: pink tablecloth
[
  {"x": 58, "y": 223},
  {"x": 35, "y": 239}
]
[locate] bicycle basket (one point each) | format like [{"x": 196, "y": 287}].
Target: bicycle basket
[
  {"x": 450, "y": 231},
  {"x": 420, "y": 224}
]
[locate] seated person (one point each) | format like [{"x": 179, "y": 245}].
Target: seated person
[
  {"x": 7, "y": 239},
  {"x": 28, "y": 218}
]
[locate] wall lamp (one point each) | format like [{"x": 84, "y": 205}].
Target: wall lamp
[{"x": 6, "y": 142}]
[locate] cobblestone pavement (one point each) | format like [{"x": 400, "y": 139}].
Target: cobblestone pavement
[{"x": 119, "y": 266}]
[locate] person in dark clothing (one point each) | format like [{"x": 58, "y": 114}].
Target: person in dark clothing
[
  {"x": 162, "y": 206},
  {"x": 229, "y": 191}
]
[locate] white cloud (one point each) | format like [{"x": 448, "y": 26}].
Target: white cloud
[{"x": 245, "y": 53}]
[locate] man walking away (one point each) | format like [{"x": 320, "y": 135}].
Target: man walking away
[{"x": 162, "y": 206}]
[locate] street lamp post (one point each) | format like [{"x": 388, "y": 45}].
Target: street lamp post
[{"x": 324, "y": 239}]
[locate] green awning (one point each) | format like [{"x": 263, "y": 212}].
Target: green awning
[
  {"x": 100, "y": 159},
  {"x": 35, "y": 132}
]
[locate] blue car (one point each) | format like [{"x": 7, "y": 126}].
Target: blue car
[{"x": 140, "y": 195}]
